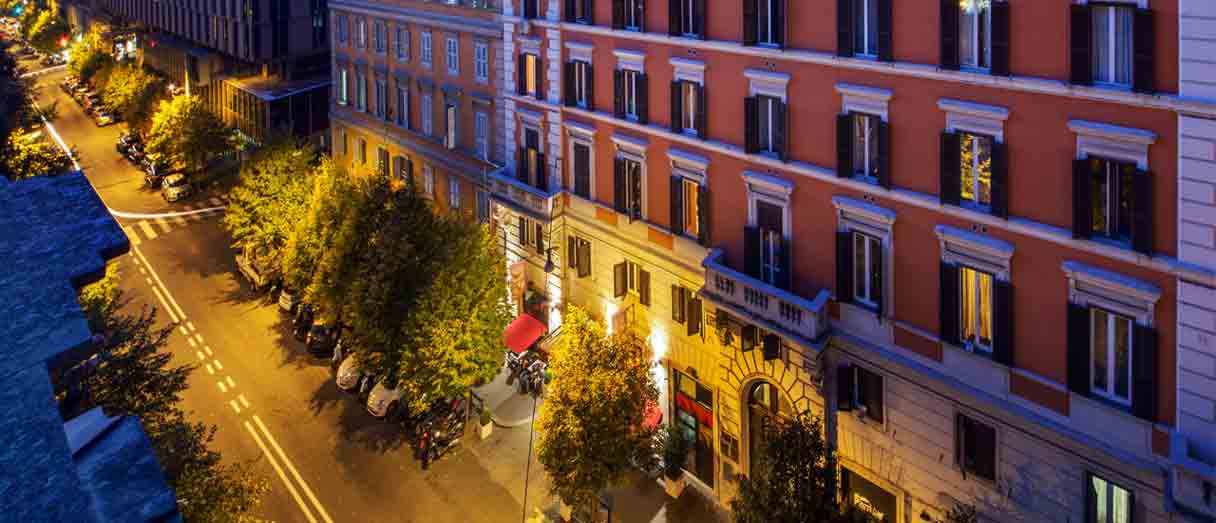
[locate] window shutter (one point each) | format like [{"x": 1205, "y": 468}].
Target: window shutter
[
  {"x": 618, "y": 93},
  {"x": 619, "y": 200},
  {"x": 618, "y": 14},
  {"x": 948, "y": 302},
  {"x": 620, "y": 279},
  {"x": 589, "y": 75},
  {"x": 876, "y": 285},
  {"x": 781, "y": 130},
  {"x": 523, "y": 231},
  {"x": 677, "y": 205},
  {"x": 521, "y": 69},
  {"x": 751, "y": 131},
  {"x": 949, "y": 32},
  {"x": 582, "y": 171},
  {"x": 703, "y": 215},
  {"x": 985, "y": 450},
  {"x": 409, "y": 169},
  {"x": 871, "y": 390},
  {"x": 584, "y": 259},
  {"x": 673, "y": 17},
  {"x": 677, "y": 304},
  {"x": 643, "y": 99},
  {"x": 845, "y": 378},
  {"x": 644, "y": 287},
  {"x": 568, "y": 81},
  {"x": 542, "y": 173},
  {"x": 785, "y": 276},
  {"x": 1080, "y": 44},
  {"x": 772, "y": 347},
  {"x": 1078, "y": 349},
  {"x": 1142, "y": 212},
  {"x": 951, "y": 147},
  {"x": 1082, "y": 213},
  {"x": 751, "y": 251},
  {"x": 844, "y": 267},
  {"x": 1001, "y": 37},
  {"x": 778, "y": 16},
  {"x": 748, "y": 337},
  {"x": 677, "y": 107},
  {"x": 540, "y": 79},
  {"x": 569, "y": 9},
  {"x": 1000, "y": 179},
  {"x": 844, "y": 145},
  {"x": 588, "y": 11},
  {"x": 521, "y": 166},
  {"x": 698, "y": 14},
  {"x": 571, "y": 251},
  {"x": 692, "y": 313},
  {"x": 540, "y": 238},
  {"x": 885, "y": 41},
  {"x": 1091, "y": 499},
  {"x": 1002, "y": 346},
  {"x": 702, "y": 111},
  {"x": 884, "y": 154},
  {"x": 640, "y": 6},
  {"x": 750, "y": 22},
  {"x": 530, "y": 8},
  {"x": 960, "y": 442},
  {"x": 844, "y": 27},
  {"x": 1144, "y": 373},
  {"x": 1143, "y": 40}
]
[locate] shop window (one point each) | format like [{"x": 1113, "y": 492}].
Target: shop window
[
  {"x": 876, "y": 503},
  {"x": 695, "y": 417}
]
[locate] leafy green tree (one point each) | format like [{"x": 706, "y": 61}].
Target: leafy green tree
[
  {"x": 29, "y": 155},
  {"x": 590, "y": 432},
  {"x": 348, "y": 257},
  {"x": 130, "y": 91},
  {"x": 330, "y": 193},
  {"x": 272, "y": 197},
  {"x": 46, "y": 30},
  {"x": 14, "y": 101},
  {"x": 185, "y": 133},
  {"x": 796, "y": 481},
  {"x": 89, "y": 55}
]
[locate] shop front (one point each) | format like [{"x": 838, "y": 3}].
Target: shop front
[
  {"x": 870, "y": 502},
  {"x": 694, "y": 408}
]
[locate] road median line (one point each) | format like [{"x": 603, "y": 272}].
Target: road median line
[
  {"x": 275, "y": 464},
  {"x": 295, "y": 474}
]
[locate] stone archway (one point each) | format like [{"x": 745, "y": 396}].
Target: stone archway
[{"x": 765, "y": 403}]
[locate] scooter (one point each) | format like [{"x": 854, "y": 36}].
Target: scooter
[{"x": 533, "y": 379}]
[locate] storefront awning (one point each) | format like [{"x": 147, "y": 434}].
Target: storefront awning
[
  {"x": 653, "y": 416},
  {"x": 522, "y": 333}
]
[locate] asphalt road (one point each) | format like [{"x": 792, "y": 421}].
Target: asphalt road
[{"x": 327, "y": 459}]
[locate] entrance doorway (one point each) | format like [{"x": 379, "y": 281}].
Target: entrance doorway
[{"x": 764, "y": 406}]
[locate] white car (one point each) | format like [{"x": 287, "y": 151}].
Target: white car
[
  {"x": 349, "y": 376},
  {"x": 384, "y": 401},
  {"x": 175, "y": 187}
]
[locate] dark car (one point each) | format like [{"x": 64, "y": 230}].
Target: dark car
[
  {"x": 126, "y": 141},
  {"x": 302, "y": 323},
  {"x": 322, "y": 338}
]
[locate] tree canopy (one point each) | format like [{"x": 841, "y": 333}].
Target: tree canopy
[
  {"x": 796, "y": 480},
  {"x": 46, "y": 30},
  {"x": 29, "y": 154},
  {"x": 590, "y": 432},
  {"x": 130, "y": 91},
  {"x": 272, "y": 197},
  {"x": 185, "y": 133}
]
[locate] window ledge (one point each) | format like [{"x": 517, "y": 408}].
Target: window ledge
[
  {"x": 864, "y": 212},
  {"x": 1112, "y": 132},
  {"x": 579, "y": 51},
  {"x": 688, "y": 70},
  {"x": 630, "y": 144},
  {"x": 768, "y": 184},
  {"x": 687, "y": 161},
  {"x": 975, "y": 250},
  {"x": 1089, "y": 285},
  {"x": 768, "y": 83}
]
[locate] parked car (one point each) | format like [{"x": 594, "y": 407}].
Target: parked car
[
  {"x": 126, "y": 141},
  {"x": 322, "y": 338},
  {"x": 175, "y": 187},
  {"x": 104, "y": 118},
  {"x": 350, "y": 377},
  {"x": 287, "y": 300},
  {"x": 384, "y": 402},
  {"x": 254, "y": 267},
  {"x": 52, "y": 60}
]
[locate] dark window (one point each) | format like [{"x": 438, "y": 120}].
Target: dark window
[
  {"x": 582, "y": 170},
  {"x": 770, "y": 222},
  {"x": 975, "y": 445},
  {"x": 578, "y": 255},
  {"x": 860, "y": 390},
  {"x": 1110, "y": 191}
]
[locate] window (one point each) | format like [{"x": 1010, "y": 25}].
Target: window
[
  {"x": 378, "y": 34},
  {"x": 769, "y": 222},
  {"x": 450, "y": 121},
  {"x": 865, "y": 146},
  {"x": 531, "y": 234},
  {"x": 428, "y": 181},
  {"x": 975, "y": 308},
  {"x": 975, "y": 33},
  {"x": 453, "y": 55},
  {"x": 401, "y": 44},
  {"x": 632, "y": 86},
  {"x": 1110, "y": 354},
  {"x": 582, "y": 169},
  {"x": 382, "y": 161},
  {"x": 1108, "y": 502},
  {"x": 381, "y": 98},
  {"x": 403, "y": 169},
  {"x": 578, "y": 255},
  {"x": 1110, "y": 190},
  {"x": 403, "y": 105},
  {"x": 428, "y": 113},
  {"x": 453, "y": 193},
  {"x": 768, "y": 122},
  {"x": 1112, "y": 43},
  {"x": 531, "y": 161},
  {"x": 691, "y": 199},
  {"x": 362, "y": 151},
  {"x": 481, "y": 61},
  {"x": 426, "y": 49},
  {"x": 686, "y": 309},
  {"x": 580, "y": 84},
  {"x": 343, "y": 86},
  {"x": 343, "y": 28},
  {"x": 629, "y": 187},
  {"x": 531, "y": 71},
  {"x": 579, "y": 11},
  {"x": 975, "y": 447},
  {"x": 975, "y": 159},
  {"x": 345, "y": 142},
  {"x": 634, "y": 14},
  {"x": 687, "y": 107},
  {"x": 632, "y": 279},
  {"x": 865, "y": 27},
  {"x": 481, "y": 134},
  {"x": 768, "y": 22},
  {"x": 687, "y": 20},
  {"x": 361, "y": 32},
  {"x": 860, "y": 389},
  {"x": 867, "y": 269},
  {"x": 361, "y": 91}
]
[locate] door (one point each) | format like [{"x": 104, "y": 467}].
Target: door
[{"x": 761, "y": 413}]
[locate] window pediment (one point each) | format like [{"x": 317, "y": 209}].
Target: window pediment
[
  {"x": 1093, "y": 286},
  {"x": 964, "y": 247}
]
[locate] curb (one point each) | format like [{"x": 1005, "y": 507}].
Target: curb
[{"x": 509, "y": 424}]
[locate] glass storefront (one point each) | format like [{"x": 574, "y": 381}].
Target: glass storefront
[
  {"x": 695, "y": 417},
  {"x": 870, "y": 502}
]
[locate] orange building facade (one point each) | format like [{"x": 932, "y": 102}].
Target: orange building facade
[{"x": 977, "y": 237}]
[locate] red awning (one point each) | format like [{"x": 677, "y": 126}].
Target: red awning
[
  {"x": 522, "y": 333},
  {"x": 653, "y": 416}
]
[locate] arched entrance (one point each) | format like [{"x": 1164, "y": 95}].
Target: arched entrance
[{"x": 764, "y": 405}]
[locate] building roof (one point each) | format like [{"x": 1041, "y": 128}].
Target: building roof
[{"x": 274, "y": 88}]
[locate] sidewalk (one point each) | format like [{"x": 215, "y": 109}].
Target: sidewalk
[{"x": 507, "y": 406}]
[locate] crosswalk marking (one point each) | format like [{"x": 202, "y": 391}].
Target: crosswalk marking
[
  {"x": 163, "y": 225},
  {"x": 178, "y": 220},
  {"x": 147, "y": 230},
  {"x": 134, "y": 238}
]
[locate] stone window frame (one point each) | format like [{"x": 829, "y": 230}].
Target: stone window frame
[
  {"x": 975, "y": 250},
  {"x": 1093, "y": 286},
  {"x": 767, "y": 83},
  {"x": 580, "y": 133},
  {"x": 480, "y": 44},
  {"x": 687, "y": 70},
  {"x": 853, "y": 215},
  {"x": 864, "y": 99},
  {"x": 629, "y": 60},
  {"x": 769, "y": 189},
  {"x": 580, "y": 52},
  {"x": 632, "y": 148},
  {"x": 1112, "y": 142},
  {"x": 401, "y": 42},
  {"x": 975, "y": 118}
]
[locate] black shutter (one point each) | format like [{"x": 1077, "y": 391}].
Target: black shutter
[
  {"x": 409, "y": 170},
  {"x": 584, "y": 259},
  {"x": 540, "y": 79},
  {"x": 844, "y": 267},
  {"x": 1001, "y": 38},
  {"x": 644, "y": 287},
  {"x": 618, "y": 93},
  {"x": 778, "y": 16},
  {"x": 619, "y": 200},
  {"x": 948, "y": 302},
  {"x": 571, "y": 251},
  {"x": 588, "y": 11},
  {"x": 949, "y": 31},
  {"x": 640, "y": 7},
  {"x": 772, "y": 347},
  {"x": 844, "y": 27},
  {"x": 521, "y": 166},
  {"x": 673, "y": 17},
  {"x": 1002, "y": 346},
  {"x": 642, "y": 98},
  {"x": 951, "y": 145},
  {"x": 702, "y": 111},
  {"x": 676, "y": 107},
  {"x": 1000, "y": 179},
  {"x": 984, "y": 442},
  {"x": 521, "y": 65},
  {"x": 677, "y": 205},
  {"x": 703, "y": 215},
  {"x": 961, "y": 442},
  {"x": 692, "y": 314},
  {"x": 569, "y": 8},
  {"x": 885, "y": 41},
  {"x": 781, "y": 130},
  {"x": 751, "y": 131},
  {"x": 677, "y": 304},
  {"x": 582, "y": 171},
  {"x": 542, "y": 173},
  {"x": 620, "y": 279},
  {"x": 884, "y": 154},
  {"x": 1082, "y": 213},
  {"x": 589, "y": 76},
  {"x": 1143, "y": 42},
  {"x": 618, "y": 14},
  {"x": 751, "y": 251},
  {"x": 568, "y": 81},
  {"x": 844, "y": 145},
  {"x": 540, "y": 238},
  {"x": 1142, "y": 212},
  {"x": 1144, "y": 373},
  {"x": 1078, "y": 349},
  {"x": 750, "y": 22},
  {"x": 523, "y": 231},
  {"x": 785, "y": 276},
  {"x": 845, "y": 378},
  {"x": 748, "y": 337},
  {"x": 698, "y": 17},
  {"x": 871, "y": 390},
  {"x": 1080, "y": 45}
]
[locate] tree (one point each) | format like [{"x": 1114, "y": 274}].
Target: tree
[
  {"x": 272, "y": 197},
  {"x": 185, "y": 133},
  {"x": 28, "y": 155},
  {"x": 130, "y": 91},
  {"x": 796, "y": 480},
  {"x": 89, "y": 55},
  {"x": 331, "y": 192},
  {"x": 46, "y": 30},
  {"x": 590, "y": 431}
]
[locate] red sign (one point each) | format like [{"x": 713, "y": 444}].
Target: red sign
[{"x": 704, "y": 416}]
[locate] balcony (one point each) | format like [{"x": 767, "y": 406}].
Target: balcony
[
  {"x": 781, "y": 311},
  {"x": 505, "y": 188}
]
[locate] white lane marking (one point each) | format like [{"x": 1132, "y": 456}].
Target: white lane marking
[
  {"x": 184, "y": 333},
  {"x": 274, "y": 463},
  {"x": 168, "y": 309},
  {"x": 232, "y": 403},
  {"x": 163, "y": 225},
  {"x": 192, "y": 344},
  {"x": 141, "y": 269},
  {"x": 218, "y": 365},
  {"x": 200, "y": 356},
  {"x": 156, "y": 277},
  {"x": 138, "y": 216},
  {"x": 244, "y": 401},
  {"x": 59, "y": 140},
  {"x": 231, "y": 384},
  {"x": 147, "y": 230},
  {"x": 149, "y": 280},
  {"x": 292, "y": 468},
  {"x": 134, "y": 238},
  {"x": 222, "y": 387},
  {"x": 208, "y": 349},
  {"x": 190, "y": 324},
  {"x": 198, "y": 338},
  {"x": 209, "y": 369}
]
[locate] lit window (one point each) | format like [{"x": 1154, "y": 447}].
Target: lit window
[
  {"x": 692, "y": 207},
  {"x": 975, "y": 306},
  {"x": 976, "y": 175},
  {"x": 531, "y": 82},
  {"x": 1108, "y": 502},
  {"x": 975, "y": 33}
]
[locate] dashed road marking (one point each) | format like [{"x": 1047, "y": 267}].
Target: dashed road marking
[
  {"x": 244, "y": 401},
  {"x": 184, "y": 333},
  {"x": 149, "y": 280},
  {"x": 232, "y": 403},
  {"x": 218, "y": 365},
  {"x": 222, "y": 387},
  {"x": 134, "y": 238},
  {"x": 190, "y": 324},
  {"x": 147, "y": 230},
  {"x": 162, "y": 225},
  {"x": 209, "y": 369},
  {"x": 198, "y": 338},
  {"x": 231, "y": 383},
  {"x": 192, "y": 344},
  {"x": 208, "y": 349},
  {"x": 178, "y": 220},
  {"x": 200, "y": 356},
  {"x": 164, "y": 302}
]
